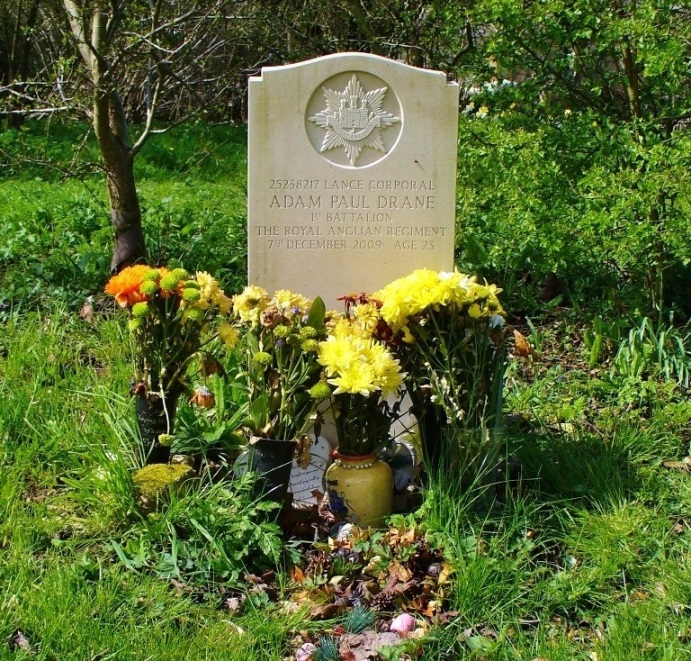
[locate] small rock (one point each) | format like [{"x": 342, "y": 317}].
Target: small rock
[
  {"x": 345, "y": 532},
  {"x": 403, "y": 623},
  {"x": 305, "y": 652},
  {"x": 18, "y": 641}
]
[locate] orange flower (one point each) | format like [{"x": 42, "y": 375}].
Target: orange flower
[{"x": 125, "y": 285}]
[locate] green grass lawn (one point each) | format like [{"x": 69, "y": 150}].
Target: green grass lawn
[{"x": 587, "y": 554}]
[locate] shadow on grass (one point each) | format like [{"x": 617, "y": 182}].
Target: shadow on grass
[{"x": 583, "y": 466}]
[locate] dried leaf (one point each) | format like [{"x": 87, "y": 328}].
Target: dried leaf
[
  {"x": 677, "y": 465},
  {"x": 324, "y": 612},
  {"x": 446, "y": 571},
  {"x": 399, "y": 572},
  {"x": 297, "y": 575},
  {"x": 523, "y": 349},
  {"x": 87, "y": 311},
  {"x": 366, "y": 645}
]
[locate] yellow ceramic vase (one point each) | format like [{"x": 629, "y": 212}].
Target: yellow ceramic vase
[{"x": 360, "y": 489}]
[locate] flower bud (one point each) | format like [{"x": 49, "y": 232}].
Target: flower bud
[
  {"x": 190, "y": 295},
  {"x": 180, "y": 274},
  {"x": 169, "y": 282},
  {"x": 140, "y": 310},
  {"x": 309, "y": 346},
  {"x": 320, "y": 391},
  {"x": 148, "y": 287},
  {"x": 193, "y": 314},
  {"x": 262, "y": 358},
  {"x": 308, "y": 333},
  {"x": 151, "y": 275}
]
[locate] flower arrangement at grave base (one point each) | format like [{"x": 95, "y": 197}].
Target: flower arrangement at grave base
[
  {"x": 170, "y": 317},
  {"x": 448, "y": 331},
  {"x": 360, "y": 376},
  {"x": 279, "y": 337}
]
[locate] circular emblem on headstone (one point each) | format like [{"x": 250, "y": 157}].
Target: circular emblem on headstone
[{"x": 353, "y": 119}]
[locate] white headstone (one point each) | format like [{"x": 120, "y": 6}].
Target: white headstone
[{"x": 352, "y": 174}]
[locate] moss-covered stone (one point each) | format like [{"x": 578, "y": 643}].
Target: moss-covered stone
[{"x": 154, "y": 482}]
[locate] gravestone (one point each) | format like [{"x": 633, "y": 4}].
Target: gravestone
[{"x": 352, "y": 174}]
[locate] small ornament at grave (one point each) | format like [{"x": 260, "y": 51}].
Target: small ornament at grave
[{"x": 173, "y": 315}]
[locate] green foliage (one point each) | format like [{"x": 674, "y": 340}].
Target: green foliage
[
  {"x": 57, "y": 236},
  {"x": 648, "y": 352},
  {"x": 359, "y": 619},
  {"x": 211, "y": 533},
  {"x": 573, "y": 156}
]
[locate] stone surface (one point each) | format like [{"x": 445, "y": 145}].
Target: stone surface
[{"x": 352, "y": 174}]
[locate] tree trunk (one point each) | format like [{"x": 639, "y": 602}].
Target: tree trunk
[
  {"x": 124, "y": 211},
  {"x": 110, "y": 127}
]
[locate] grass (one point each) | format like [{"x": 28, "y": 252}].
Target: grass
[
  {"x": 57, "y": 235},
  {"x": 588, "y": 554},
  {"x": 585, "y": 555}
]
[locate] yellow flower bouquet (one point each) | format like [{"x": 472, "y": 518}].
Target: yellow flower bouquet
[
  {"x": 279, "y": 337},
  {"x": 170, "y": 312},
  {"x": 360, "y": 374},
  {"x": 448, "y": 331}
]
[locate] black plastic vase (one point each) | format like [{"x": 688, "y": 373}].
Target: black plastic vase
[
  {"x": 272, "y": 461},
  {"x": 155, "y": 416}
]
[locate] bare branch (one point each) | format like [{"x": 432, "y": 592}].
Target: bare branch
[
  {"x": 76, "y": 20},
  {"x": 150, "y": 113}
]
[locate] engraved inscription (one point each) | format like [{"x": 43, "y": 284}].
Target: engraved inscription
[{"x": 353, "y": 119}]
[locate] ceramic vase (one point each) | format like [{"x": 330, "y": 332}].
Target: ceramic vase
[{"x": 360, "y": 489}]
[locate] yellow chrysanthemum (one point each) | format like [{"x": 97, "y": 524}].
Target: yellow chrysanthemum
[
  {"x": 358, "y": 364},
  {"x": 250, "y": 303},
  {"x": 426, "y": 289},
  {"x": 288, "y": 302},
  {"x": 358, "y": 379},
  {"x": 336, "y": 354},
  {"x": 210, "y": 294},
  {"x": 229, "y": 335},
  {"x": 366, "y": 316}
]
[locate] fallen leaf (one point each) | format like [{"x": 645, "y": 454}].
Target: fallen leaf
[
  {"x": 676, "y": 465},
  {"x": 324, "y": 612},
  {"x": 523, "y": 349},
  {"x": 446, "y": 571},
  {"x": 366, "y": 645},
  {"x": 399, "y": 572},
  {"x": 87, "y": 311},
  {"x": 297, "y": 574}
]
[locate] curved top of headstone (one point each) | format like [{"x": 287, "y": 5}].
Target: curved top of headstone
[
  {"x": 354, "y": 59},
  {"x": 352, "y": 173}
]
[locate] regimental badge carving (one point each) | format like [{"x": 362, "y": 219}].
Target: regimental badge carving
[{"x": 354, "y": 119}]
